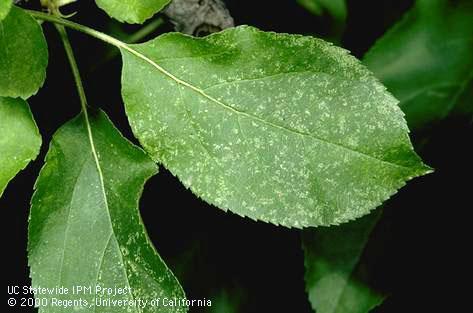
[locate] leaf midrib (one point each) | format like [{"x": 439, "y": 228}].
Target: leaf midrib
[
  {"x": 105, "y": 198},
  {"x": 104, "y": 194},
  {"x": 246, "y": 114}
]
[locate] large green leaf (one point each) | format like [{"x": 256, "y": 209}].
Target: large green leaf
[
  {"x": 280, "y": 128},
  {"x": 85, "y": 228},
  {"x": 23, "y": 55},
  {"x": 426, "y": 60},
  {"x": 19, "y": 140},
  {"x": 132, "y": 11},
  {"x": 335, "y": 280},
  {"x": 5, "y": 6}
]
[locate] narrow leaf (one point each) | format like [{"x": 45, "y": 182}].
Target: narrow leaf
[
  {"x": 85, "y": 228},
  {"x": 426, "y": 60},
  {"x": 19, "y": 141},
  {"x": 23, "y": 55},
  {"x": 132, "y": 11},
  {"x": 335, "y": 8},
  {"x": 334, "y": 281},
  {"x": 5, "y": 6},
  {"x": 281, "y": 128}
]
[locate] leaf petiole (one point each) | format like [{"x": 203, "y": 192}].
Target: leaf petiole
[
  {"x": 113, "y": 41},
  {"x": 81, "y": 28},
  {"x": 75, "y": 70}
]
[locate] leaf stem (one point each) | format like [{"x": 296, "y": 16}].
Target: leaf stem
[
  {"x": 108, "y": 39},
  {"x": 75, "y": 69},
  {"x": 81, "y": 28}
]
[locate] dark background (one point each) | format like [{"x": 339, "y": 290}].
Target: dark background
[{"x": 247, "y": 266}]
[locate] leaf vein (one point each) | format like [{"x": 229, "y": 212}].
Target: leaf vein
[{"x": 101, "y": 261}]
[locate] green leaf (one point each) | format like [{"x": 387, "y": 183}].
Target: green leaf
[
  {"x": 335, "y": 280},
  {"x": 131, "y": 11},
  {"x": 20, "y": 140},
  {"x": 426, "y": 60},
  {"x": 5, "y": 6},
  {"x": 85, "y": 228},
  {"x": 281, "y": 128},
  {"x": 23, "y": 55}
]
